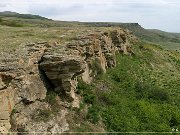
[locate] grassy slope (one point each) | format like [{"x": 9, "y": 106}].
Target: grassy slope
[
  {"x": 24, "y": 16},
  {"x": 15, "y": 31},
  {"x": 166, "y": 40},
  {"x": 145, "y": 92},
  {"x": 140, "y": 94},
  {"x": 170, "y": 41}
]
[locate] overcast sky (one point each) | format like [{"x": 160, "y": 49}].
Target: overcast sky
[{"x": 156, "y": 14}]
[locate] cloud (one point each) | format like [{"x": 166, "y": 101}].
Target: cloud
[
  {"x": 53, "y": 9},
  {"x": 161, "y": 14},
  {"x": 20, "y": 6},
  {"x": 3, "y": 5}
]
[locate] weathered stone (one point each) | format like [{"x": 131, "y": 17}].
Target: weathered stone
[
  {"x": 2, "y": 85},
  {"x": 62, "y": 71},
  {"x": 4, "y": 126},
  {"x": 6, "y": 104},
  {"x": 35, "y": 68},
  {"x": 96, "y": 53},
  {"x": 20, "y": 80},
  {"x": 29, "y": 119}
]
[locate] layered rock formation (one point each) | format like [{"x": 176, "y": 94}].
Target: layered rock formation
[
  {"x": 20, "y": 80},
  {"x": 36, "y": 68}
]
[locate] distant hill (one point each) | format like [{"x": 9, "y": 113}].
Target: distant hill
[
  {"x": 165, "y": 39},
  {"x": 152, "y": 35},
  {"x": 23, "y": 16},
  {"x": 145, "y": 34}
]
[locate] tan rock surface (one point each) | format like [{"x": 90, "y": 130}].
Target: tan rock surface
[{"x": 34, "y": 68}]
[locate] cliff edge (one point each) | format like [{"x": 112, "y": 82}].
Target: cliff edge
[{"x": 36, "y": 69}]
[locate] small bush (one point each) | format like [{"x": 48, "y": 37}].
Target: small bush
[
  {"x": 117, "y": 77},
  {"x": 147, "y": 91},
  {"x": 13, "y": 111},
  {"x": 142, "y": 90},
  {"x": 93, "y": 114},
  {"x": 51, "y": 97},
  {"x": 89, "y": 98},
  {"x": 86, "y": 91},
  {"x": 159, "y": 94},
  {"x": 11, "y": 24},
  {"x": 141, "y": 47},
  {"x": 174, "y": 122},
  {"x": 82, "y": 87}
]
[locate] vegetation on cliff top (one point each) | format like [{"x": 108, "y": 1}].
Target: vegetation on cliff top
[{"x": 140, "y": 95}]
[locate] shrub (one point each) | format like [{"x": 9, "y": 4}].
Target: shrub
[
  {"x": 51, "y": 97},
  {"x": 13, "y": 111},
  {"x": 142, "y": 90},
  {"x": 86, "y": 91},
  {"x": 174, "y": 122},
  {"x": 147, "y": 91},
  {"x": 116, "y": 77},
  {"x": 159, "y": 94},
  {"x": 82, "y": 86},
  {"x": 11, "y": 24},
  {"x": 89, "y": 98},
  {"x": 93, "y": 114}
]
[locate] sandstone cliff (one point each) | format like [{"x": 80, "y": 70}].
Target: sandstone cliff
[{"x": 35, "y": 68}]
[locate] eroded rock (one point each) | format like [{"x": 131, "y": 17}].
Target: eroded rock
[
  {"x": 20, "y": 81},
  {"x": 39, "y": 117},
  {"x": 6, "y": 105},
  {"x": 85, "y": 57},
  {"x": 62, "y": 71},
  {"x": 35, "y": 68}
]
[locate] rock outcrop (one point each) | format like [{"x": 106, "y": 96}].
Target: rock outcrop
[
  {"x": 84, "y": 57},
  {"x": 20, "y": 80},
  {"x": 36, "y": 68},
  {"x": 62, "y": 70}
]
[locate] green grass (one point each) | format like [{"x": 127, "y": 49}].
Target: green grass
[
  {"x": 10, "y": 23},
  {"x": 15, "y": 31},
  {"x": 24, "y": 16},
  {"x": 143, "y": 93},
  {"x": 140, "y": 94}
]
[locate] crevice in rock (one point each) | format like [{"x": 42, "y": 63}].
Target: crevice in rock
[
  {"x": 59, "y": 88},
  {"x": 77, "y": 74},
  {"x": 47, "y": 82},
  {"x": 26, "y": 102},
  {"x": 6, "y": 79}
]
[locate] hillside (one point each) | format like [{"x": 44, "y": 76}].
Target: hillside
[
  {"x": 58, "y": 76},
  {"x": 23, "y": 16},
  {"x": 165, "y": 39},
  {"x": 170, "y": 41}
]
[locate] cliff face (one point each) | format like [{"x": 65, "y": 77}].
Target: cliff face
[
  {"x": 20, "y": 82},
  {"x": 36, "y": 68}
]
